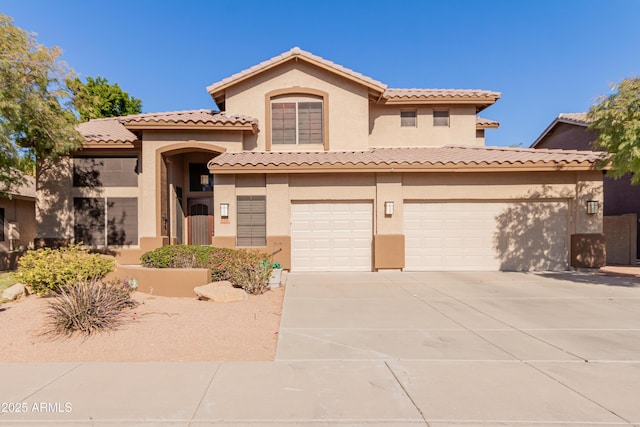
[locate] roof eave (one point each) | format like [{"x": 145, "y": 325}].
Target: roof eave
[
  {"x": 192, "y": 126},
  {"x": 488, "y": 126},
  {"x": 403, "y": 167},
  {"x": 109, "y": 144},
  {"x": 554, "y": 124},
  {"x": 217, "y": 91}
]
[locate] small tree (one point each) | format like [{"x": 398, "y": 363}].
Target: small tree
[
  {"x": 616, "y": 121},
  {"x": 98, "y": 98},
  {"x": 36, "y": 116}
]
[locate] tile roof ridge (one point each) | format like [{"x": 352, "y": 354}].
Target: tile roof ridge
[
  {"x": 439, "y": 88},
  {"x": 293, "y": 52},
  {"x": 534, "y": 150},
  {"x": 162, "y": 113}
]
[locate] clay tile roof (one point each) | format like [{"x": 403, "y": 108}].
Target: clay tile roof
[
  {"x": 579, "y": 118},
  {"x": 24, "y": 187},
  {"x": 189, "y": 116},
  {"x": 457, "y": 156},
  {"x": 418, "y": 94},
  {"x": 290, "y": 54},
  {"x": 105, "y": 130},
  {"x": 116, "y": 129},
  {"x": 482, "y": 123}
]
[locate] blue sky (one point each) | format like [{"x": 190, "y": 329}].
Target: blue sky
[{"x": 546, "y": 57}]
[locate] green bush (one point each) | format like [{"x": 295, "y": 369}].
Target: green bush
[
  {"x": 50, "y": 270},
  {"x": 88, "y": 306},
  {"x": 250, "y": 270},
  {"x": 177, "y": 256},
  {"x": 187, "y": 256}
]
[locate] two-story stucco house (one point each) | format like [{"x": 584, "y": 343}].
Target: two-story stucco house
[{"x": 328, "y": 170}]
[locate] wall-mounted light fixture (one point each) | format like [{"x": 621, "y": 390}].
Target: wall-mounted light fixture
[
  {"x": 224, "y": 210},
  {"x": 593, "y": 206},
  {"x": 388, "y": 208},
  {"x": 204, "y": 179}
]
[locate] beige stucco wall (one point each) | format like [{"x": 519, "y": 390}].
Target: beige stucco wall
[
  {"x": 54, "y": 204},
  {"x": 158, "y": 142},
  {"x": 348, "y": 105},
  {"x": 385, "y": 129},
  {"x": 22, "y": 213},
  {"x": 281, "y": 190}
]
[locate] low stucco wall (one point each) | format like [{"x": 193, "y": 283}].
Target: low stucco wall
[{"x": 166, "y": 282}]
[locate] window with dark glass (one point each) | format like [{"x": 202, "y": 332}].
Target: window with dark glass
[
  {"x": 441, "y": 117},
  {"x": 297, "y": 122},
  {"x": 199, "y": 177},
  {"x": 1, "y": 224},
  {"x": 88, "y": 227},
  {"x": 252, "y": 221},
  {"x": 408, "y": 118},
  {"x": 105, "y": 171},
  {"x": 111, "y": 221},
  {"x": 122, "y": 221}
]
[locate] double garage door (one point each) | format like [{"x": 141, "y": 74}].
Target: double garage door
[
  {"x": 529, "y": 235},
  {"x": 519, "y": 236}
]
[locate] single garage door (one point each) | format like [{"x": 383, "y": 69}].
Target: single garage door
[
  {"x": 331, "y": 236},
  {"x": 521, "y": 236}
]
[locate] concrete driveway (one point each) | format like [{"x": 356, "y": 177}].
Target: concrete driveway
[
  {"x": 382, "y": 349},
  {"x": 475, "y": 347}
]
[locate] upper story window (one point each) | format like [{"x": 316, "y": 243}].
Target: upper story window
[
  {"x": 105, "y": 171},
  {"x": 441, "y": 117},
  {"x": 408, "y": 118},
  {"x": 297, "y": 120}
]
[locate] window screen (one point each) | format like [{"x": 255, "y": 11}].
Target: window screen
[
  {"x": 88, "y": 225},
  {"x": 283, "y": 123},
  {"x": 111, "y": 221},
  {"x": 105, "y": 171},
  {"x": 1, "y": 224},
  {"x": 441, "y": 118},
  {"x": 299, "y": 122},
  {"x": 122, "y": 221},
  {"x": 252, "y": 221},
  {"x": 408, "y": 118}
]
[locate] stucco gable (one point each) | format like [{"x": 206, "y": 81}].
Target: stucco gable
[{"x": 217, "y": 90}]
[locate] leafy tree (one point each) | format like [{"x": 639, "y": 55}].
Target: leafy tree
[
  {"x": 616, "y": 121},
  {"x": 36, "y": 116},
  {"x": 97, "y": 98}
]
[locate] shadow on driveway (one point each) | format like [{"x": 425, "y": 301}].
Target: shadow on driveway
[{"x": 595, "y": 278}]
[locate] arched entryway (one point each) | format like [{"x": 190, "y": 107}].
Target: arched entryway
[{"x": 186, "y": 194}]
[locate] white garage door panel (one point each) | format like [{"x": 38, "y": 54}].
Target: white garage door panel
[
  {"x": 529, "y": 235},
  {"x": 331, "y": 236}
]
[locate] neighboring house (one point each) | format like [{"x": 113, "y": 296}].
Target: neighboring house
[
  {"x": 329, "y": 170},
  {"x": 17, "y": 222},
  {"x": 569, "y": 131}
]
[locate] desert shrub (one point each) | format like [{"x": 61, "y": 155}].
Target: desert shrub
[
  {"x": 187, "y": 256},
  {"x": 250, "y": 270},
  {"x": 88, "y": 306},
  {"x": 50, "y": 270},
  {"x": 176, "y": 256}
]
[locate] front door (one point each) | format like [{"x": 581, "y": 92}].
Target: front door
[{"x": 200, "y": 220}]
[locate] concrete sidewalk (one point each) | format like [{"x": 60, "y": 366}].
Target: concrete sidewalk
[{"x": 398, "y": 349}]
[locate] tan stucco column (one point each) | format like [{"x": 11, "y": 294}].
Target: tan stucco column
[
  {"x": 278, "y": 219},
  {"x": 388, "y": 239},
  {"x": 224, "y": 191}
]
